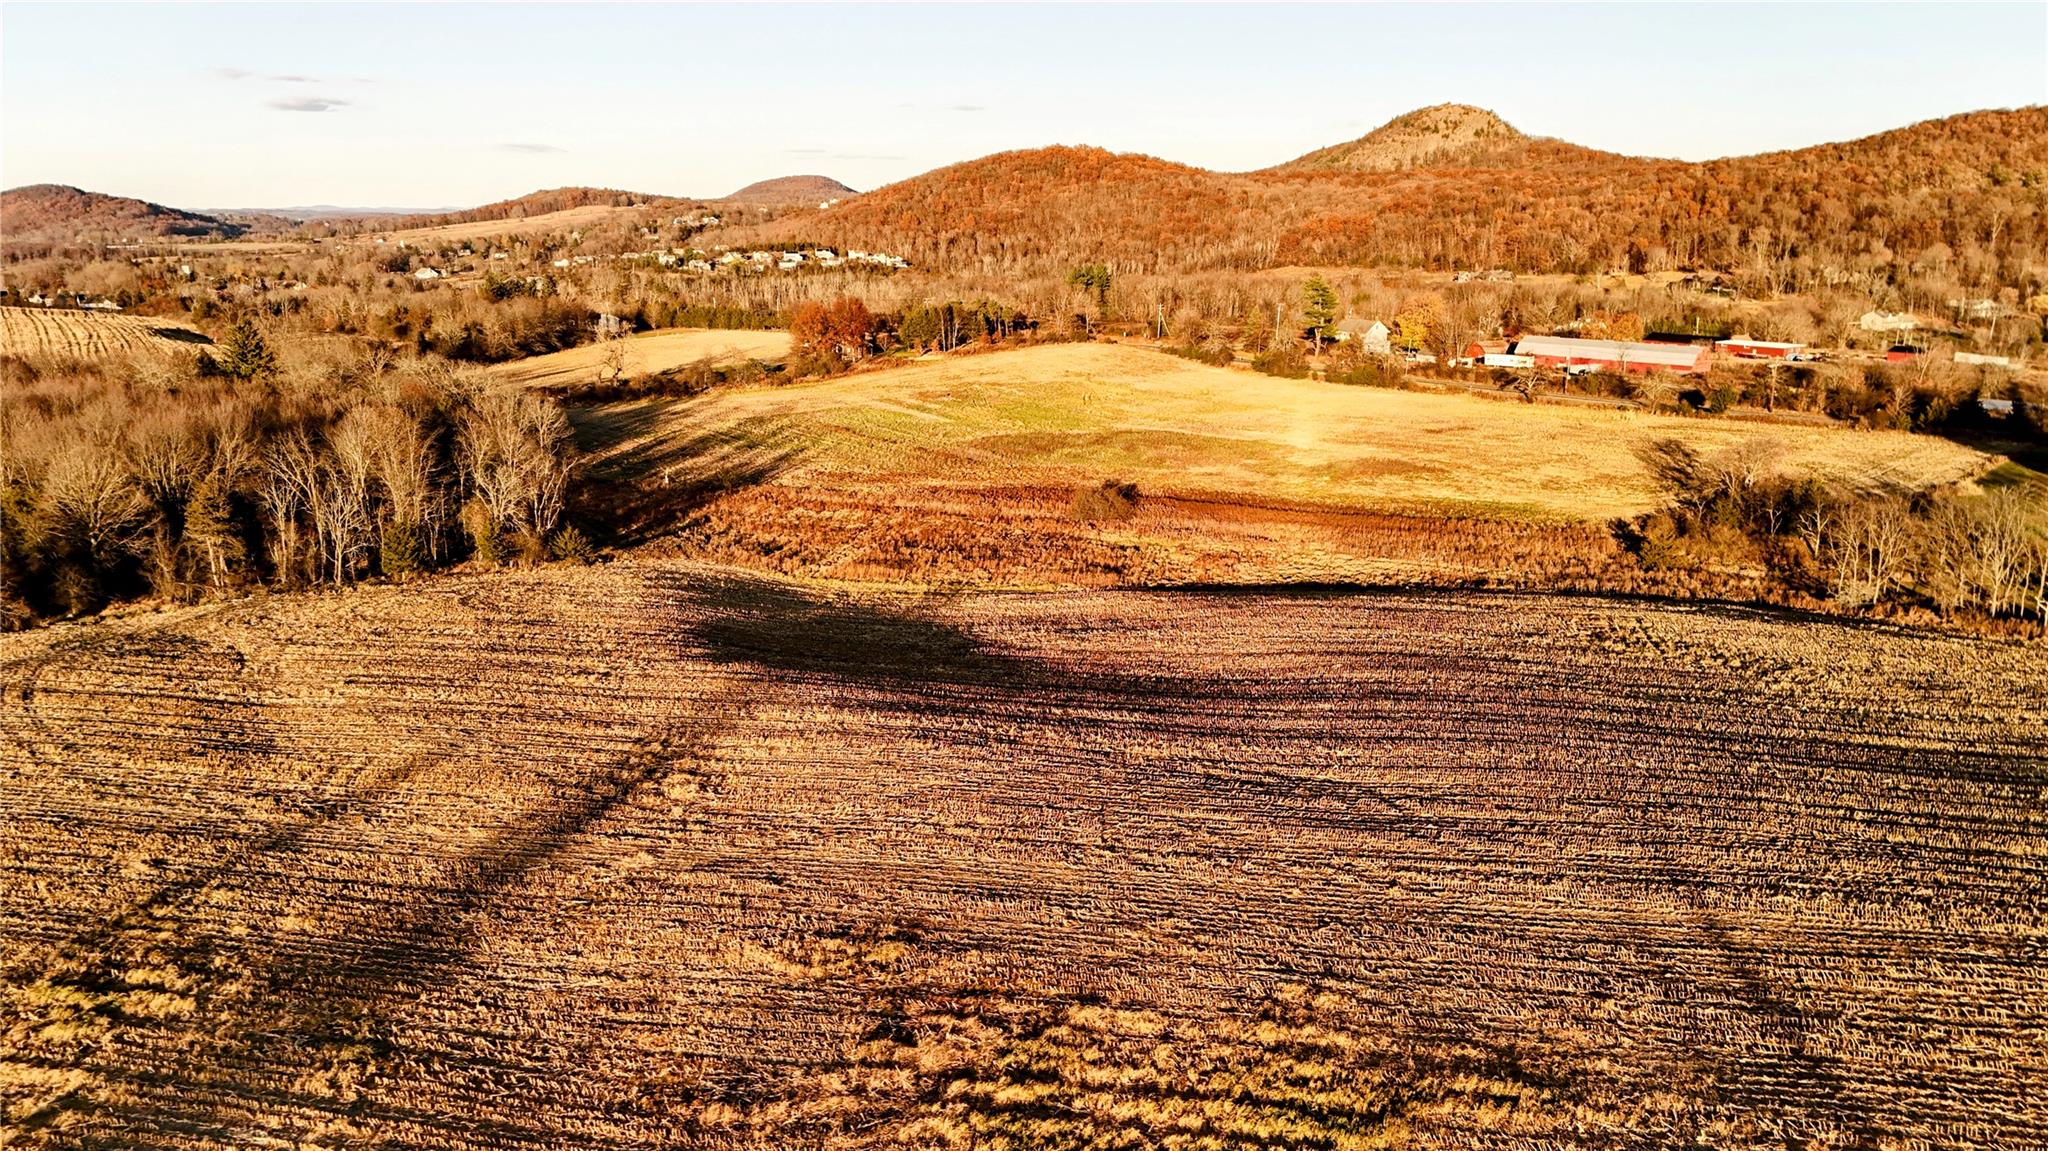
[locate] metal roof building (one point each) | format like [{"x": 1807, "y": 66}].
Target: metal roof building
[{"x": 1613, "y": 355}]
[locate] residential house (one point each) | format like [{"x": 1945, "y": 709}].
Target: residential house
[
  {"x": 1374, "y": 339},
  {"x": 1887, "y": 322}
]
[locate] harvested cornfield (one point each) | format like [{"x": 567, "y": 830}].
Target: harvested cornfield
[
  {"x": 654, "y": 855},
  {"x": 91, "y": 335}
]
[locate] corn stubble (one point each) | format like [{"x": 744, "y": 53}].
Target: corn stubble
[{"x": 655, "y": 854}]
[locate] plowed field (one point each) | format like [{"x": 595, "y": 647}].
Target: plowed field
[
  {"x": 90, "y": 335},
  {"x": 653, "y": 855}
]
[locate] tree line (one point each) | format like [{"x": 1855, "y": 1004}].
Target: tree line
[
  {"x": 1955, "y": 551},
  {"x": 125, "y": 479}
]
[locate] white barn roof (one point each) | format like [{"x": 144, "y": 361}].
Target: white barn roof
[
  {"x": 1566, "y": 347},
  {"x": 1746, "y": 342}
]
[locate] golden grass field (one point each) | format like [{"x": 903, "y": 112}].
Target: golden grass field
[
  {"x": 650, "y": 854},
  {"x": 962, "y": 468},
  {"x": 91, "y": 335},
  {"x": 646, "y": 352}
]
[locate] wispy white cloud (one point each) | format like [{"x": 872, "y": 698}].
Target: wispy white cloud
[
  {"x": 232, "y": 73},
  {"x": 309, "y": 104},
  {"x": 530, "y": 148}
]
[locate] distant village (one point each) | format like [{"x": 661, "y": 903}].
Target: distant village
[{"x": 1675, "y": 354}]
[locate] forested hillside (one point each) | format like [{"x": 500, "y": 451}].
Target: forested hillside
[
  {"x": 58, "y": 212},
  {"x": 1961, "y": 197}
]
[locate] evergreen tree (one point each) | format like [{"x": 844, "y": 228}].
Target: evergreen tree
[
  {"x": 211, "y": 535},
  {"x": 1096, "y": 278},
  {"x": 244, "y": 354},
  {"x": 1319, "y": 310}
]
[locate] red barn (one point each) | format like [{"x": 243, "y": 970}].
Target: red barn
[
  {"x": 1900, "y": 353},
  {"x": 1614, "y": 355},
  {"x": 1745, "y": 348}
]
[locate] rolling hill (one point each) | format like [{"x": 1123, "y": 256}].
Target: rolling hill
[
  {"x": 1453, "y": 186},
  {"x": 960, "y": 471},
  {"x": 55, "y": 213},
  {"x": 792, "y": 190}
]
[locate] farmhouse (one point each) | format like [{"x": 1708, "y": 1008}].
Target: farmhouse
[
  {"x": 1887, "y": 322},
  {"x": 1374, "y": 339},
  {"x": 1574, "y": 354}
]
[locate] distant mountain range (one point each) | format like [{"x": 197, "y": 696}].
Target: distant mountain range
[
  {"x": 328, "y": 212},
  {"x": 1442, "y": 187}
]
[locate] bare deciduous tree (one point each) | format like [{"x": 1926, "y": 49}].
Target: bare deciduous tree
[{"x": 1868, "y": 550}]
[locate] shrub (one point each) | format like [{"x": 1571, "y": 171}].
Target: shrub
[
  {"x": 403, "y": 553},
  {"x": 1371, "y": 372},
  {"x": 1221, "y": 357},
  {"x": 1287, "y": 363},
  {"x": 1109, "y": 500},
  {"x": 571, "y": 544},
  {"x": 530, "y": 546},
  {"x": 485, "y": 537}
]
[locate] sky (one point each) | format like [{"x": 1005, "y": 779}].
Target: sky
[{"x": 418, "y": 106}]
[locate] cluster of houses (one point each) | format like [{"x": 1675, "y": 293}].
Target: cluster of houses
[
  {"x": 692, "y": 260},
  {"x": 56, "y": 299},
  {"x": 759, "y": 261},
  {"x": 1575, "y": 356}
]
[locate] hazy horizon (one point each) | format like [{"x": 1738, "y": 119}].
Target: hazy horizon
[{"x": 386, "y": 107}]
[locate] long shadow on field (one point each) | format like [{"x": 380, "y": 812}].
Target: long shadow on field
[
  {"x": 347, "y": 995},
  {"x": 651, "y": 489},
  {"x": 775, "y": 626}
]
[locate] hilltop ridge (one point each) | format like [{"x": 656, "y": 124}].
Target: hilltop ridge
[
  {"x": 792, "y": 190},
  {"x": 1437, "y": 134},
  {"x": 1456, "y": 186}
]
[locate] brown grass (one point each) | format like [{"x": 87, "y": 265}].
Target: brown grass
[
  {"x": 645, "y": 353},
  {"x": 938, "y": 472}
]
